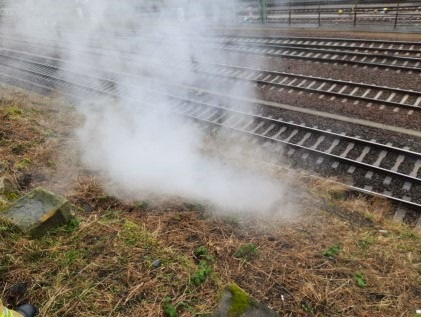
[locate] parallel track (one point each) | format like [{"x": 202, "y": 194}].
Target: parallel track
[
  {"x": 395, "y": 98},
  {"x": 409, "y": 100},
  {"x": 405, "y": 48},
  {"x": 327, "y": 55},
  {"x": 333, "y": 54},
  {"x": 365, "y": 165}
]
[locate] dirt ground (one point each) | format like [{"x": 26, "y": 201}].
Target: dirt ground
[{"x": 336, "y": 254}]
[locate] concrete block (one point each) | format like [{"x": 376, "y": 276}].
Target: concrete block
[{"x": 37, "y": 212}]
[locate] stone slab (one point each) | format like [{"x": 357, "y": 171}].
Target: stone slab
[{"x": 38, "y": 211}]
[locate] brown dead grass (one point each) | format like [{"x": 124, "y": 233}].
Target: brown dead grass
[{"x": 101, "y": 265}]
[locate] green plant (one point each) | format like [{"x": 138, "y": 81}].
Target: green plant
[
  {"x": 306, "y": 308},
  {"x": 143, "y": 204},
  {"x": 360, "y": 280},
  {"x": 246, "y": 251},
  {"x": 168, "y": 308},
  {"x": 332, "y": 250},
  {"x": 204, "y": 269},
  {"x": 72, "y": 225},
  {"x": 364, "y": 243},
  {"x": 11, "y": 196},
  {"x": 22, "y": 164},
  {"x": 13, "y": 111},
  {"x": 202, "y": 253},
  {"x": 71, "y": 256},
  {"x": 231, "y": 220}
]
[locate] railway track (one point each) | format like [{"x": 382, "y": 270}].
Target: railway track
[
  {"x": 365, "y": 165},
  {"x": 397, "y": 99},
  {"x": 336, "y": 54},
  {"x": 354, "y": 45}
]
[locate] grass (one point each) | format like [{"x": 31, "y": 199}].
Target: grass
[
  {"x": 342, "y": 257},
  {"x": 246, "y": 251}
]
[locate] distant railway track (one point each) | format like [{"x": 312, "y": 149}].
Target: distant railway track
[
  {"x": 373, "y": 95},
  {"x": 378, "y": 169},
  {"x": 323, "y": 55},
  {"x": 311, "y": 50},
  {"x": 401, "y": 48}
]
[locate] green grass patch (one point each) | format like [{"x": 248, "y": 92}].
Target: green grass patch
[
  {"x": 332, "y": 251},
  {"x": 246, "y": 251},
  {"x": 13, "y": 111},
  {"x": 168, "y": 308},
  {"x": 359, "y": 279},
  {"x": 22, "y": 164}
]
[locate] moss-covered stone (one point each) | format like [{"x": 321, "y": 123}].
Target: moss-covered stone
[
  {"x": 37, "y": 212},
  {"x": 240, "y": 301},
  {"x": 235, "y": 302}
]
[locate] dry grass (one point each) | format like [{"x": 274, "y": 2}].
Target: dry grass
[{"x": 101, "y": 265}]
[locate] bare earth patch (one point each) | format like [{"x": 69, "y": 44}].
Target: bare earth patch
[{"x": 340, "y": 256}]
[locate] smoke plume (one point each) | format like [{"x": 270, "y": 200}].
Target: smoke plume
[{"x": 136, "y": 140}]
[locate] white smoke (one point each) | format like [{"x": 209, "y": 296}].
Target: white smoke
[{"x": 137, "y": 141}]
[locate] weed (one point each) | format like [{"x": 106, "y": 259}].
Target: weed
[
  {"x": 176, "y": 218},
  {"x": 12, "y": 196},
  {"x": 111, "y": 215},
  {"x": 369, "y": 216},
  {"x": 168, "y": 308},
  {"x": 18, "y": 148},
  {"x": 408, "y": 235},
  {"x": 305, "y": 307},
  {"x": 366, "y": 241},
  {"x": 204, "y": 269},
  {"x": 246, "y": 251},
  {"x": 202, "y": 253},
  {"x": 332, "y": 250},
  {"x": 231, "y": 220},
  {"x": 71, "y": 256},
  {"x": 22, "y": 164},
  {"x": 36, "y": 255},
  {"x": 133, "y": 235},
  {"x": 199, "y": 207},
  {"x": 72, "y": 225},
  {"x": 360, "y": 279},
  {"x": 48, "y": 133},
  {"x": 143, "y": 204},
  {"x": 13, "y": 111}
]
